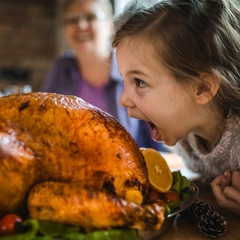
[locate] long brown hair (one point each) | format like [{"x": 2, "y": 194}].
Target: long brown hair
[{"x": 198, "y": 36}]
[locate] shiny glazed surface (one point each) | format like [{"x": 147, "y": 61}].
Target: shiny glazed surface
[{"x": 57, "y": 138}]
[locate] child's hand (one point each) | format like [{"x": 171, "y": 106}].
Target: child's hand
[
  {"x": 236, "y": 179},
  {"x": 226, "y": 179},
  {"x": 226, "y": 189}
]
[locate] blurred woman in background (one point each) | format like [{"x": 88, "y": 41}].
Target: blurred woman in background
[{"x": 90, "y": 70}]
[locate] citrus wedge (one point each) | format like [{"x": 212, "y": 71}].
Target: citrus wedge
[{"x": 159, "y": 173}]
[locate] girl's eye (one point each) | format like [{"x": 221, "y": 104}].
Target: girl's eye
[{"x": 139, "y": 83}]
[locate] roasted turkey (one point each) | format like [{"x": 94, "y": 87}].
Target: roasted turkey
[{"x": 63, "y": 160}]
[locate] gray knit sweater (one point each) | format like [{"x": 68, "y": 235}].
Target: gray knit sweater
[{"x": 226, "y": 155}]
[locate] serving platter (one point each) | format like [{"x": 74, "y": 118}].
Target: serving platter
[{"x": 189, "y": 196}]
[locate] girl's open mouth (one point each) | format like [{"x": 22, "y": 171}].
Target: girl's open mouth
[{"x": 154, "y": 132}]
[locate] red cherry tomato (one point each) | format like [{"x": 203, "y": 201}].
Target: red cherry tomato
[
  {"x": 9, "y": 224},
  {"x": 170, "y": 196},
  {"x": 152, "y": 197},
  {"x": 161, "y": 203}
]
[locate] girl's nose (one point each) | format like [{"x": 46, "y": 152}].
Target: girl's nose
[{"x": 125, "y": 100}]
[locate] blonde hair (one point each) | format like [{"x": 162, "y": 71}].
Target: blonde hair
[{"x": 198, "y": 36}]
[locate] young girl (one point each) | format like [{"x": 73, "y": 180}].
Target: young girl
[{"x": 180, "y": 60}]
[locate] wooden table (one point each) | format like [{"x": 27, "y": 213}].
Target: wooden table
[{"x": 186, "y": 229}]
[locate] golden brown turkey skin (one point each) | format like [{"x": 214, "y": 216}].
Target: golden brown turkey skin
[
  {"x": 90, "y": 208},
  {"x": 19, "y": 168},
  {"x": 51, "y": 137}
]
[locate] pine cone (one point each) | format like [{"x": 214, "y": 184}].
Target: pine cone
[
  {"x": 200, "y": 210},
  {"x": 209, "y": 221},
  {"x": 212, "y": 225}
]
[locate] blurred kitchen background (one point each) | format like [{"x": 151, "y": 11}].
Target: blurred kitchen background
[{"x": 31, "y": 38}]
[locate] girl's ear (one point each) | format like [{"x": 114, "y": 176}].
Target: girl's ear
[{"x": 206, "y": 88}]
